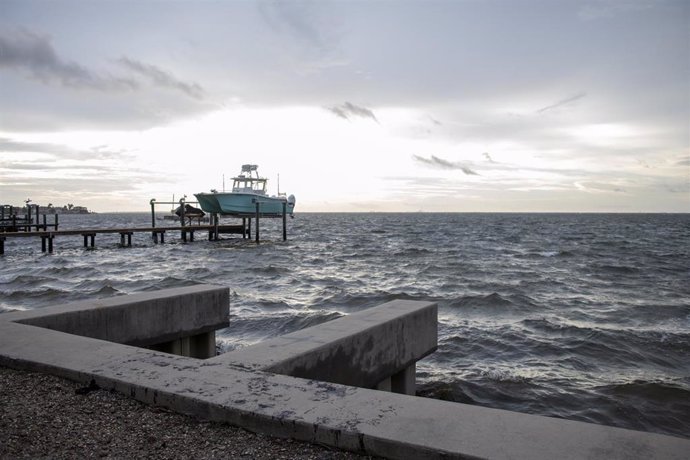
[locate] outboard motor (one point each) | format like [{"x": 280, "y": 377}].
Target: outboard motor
[{"x": 291, "y": 203}]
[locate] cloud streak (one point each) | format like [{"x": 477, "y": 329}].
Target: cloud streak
[
  {"x": 348, "y": 110},
  {"x": 562, "y": 103},
  {"x": 34, "y": 54},
  {"x": 162, "y": 78},
  {"x": 100, "y": 152},
  {"x": 441, "y": 163}
]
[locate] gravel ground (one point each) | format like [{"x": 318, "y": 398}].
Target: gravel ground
[{"x": 42, "y": 416}]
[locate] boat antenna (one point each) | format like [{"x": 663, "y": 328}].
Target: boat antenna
[
  {"x": 278, "y": 184},
  {"x": 223, "y": 182}
]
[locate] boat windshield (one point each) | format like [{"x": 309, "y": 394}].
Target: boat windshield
[{"x": 249, "y": 185}]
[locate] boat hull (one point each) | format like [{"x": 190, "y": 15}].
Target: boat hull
[
  {"x": 208, "y": 202},
  {"x": 244, "y": 204}
]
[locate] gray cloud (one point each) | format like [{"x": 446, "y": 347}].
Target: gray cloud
[
  {"x": 32, "y": 53},
  {"x": 297, "y": 19},
  {"x": 598, "y": 187},
  {"x": 100, "y": 152},
  {"x": 91, "y": 186},
  {"x": 437, "y": 162},
  {"x": 561, "y": 103},
  {"x": 488, "y": 157},
  {"x": 435, "y": 121},
  {"x": 683, "y": 161},
  {"x": 32, "y": 57},
  {"x": 162, "y": 78},
  {"x": 42, "y": 166},
  {"x": 347, "y": 110}
]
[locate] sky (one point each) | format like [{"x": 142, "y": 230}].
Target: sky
[{"x": 385, "y": 106}]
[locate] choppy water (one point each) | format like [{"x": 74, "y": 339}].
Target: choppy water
[{"x": 579, "y": 316}]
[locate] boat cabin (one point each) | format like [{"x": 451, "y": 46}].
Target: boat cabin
[{"x": 249, "y": 181}]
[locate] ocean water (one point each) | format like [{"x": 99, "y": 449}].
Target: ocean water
[{"x": 578, "y": 316}]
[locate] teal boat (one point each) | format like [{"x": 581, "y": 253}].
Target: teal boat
[{"x": 248, "y": 189}]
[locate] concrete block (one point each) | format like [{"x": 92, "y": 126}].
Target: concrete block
[
  {"x": 140, "y": 319},
  {"x": 361, "y": 349}
]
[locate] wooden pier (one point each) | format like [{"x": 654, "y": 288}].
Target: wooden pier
[
  {"x": 10, "y": 221},
  {"x": 13, "y": 226},
  {"x": 158, "y": 234}
]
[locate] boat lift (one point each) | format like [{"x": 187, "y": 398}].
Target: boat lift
[{"x": 246, "y": 228}]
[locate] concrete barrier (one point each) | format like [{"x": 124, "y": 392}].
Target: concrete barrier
[
  {"x": 373, "y": 348},
  {"x": 181, "y": 320},
  {"x": 347, "y": 417}
]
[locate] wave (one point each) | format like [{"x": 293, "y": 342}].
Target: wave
[
  {"x": 494, "y": 303},
  {"x": 252, "y": 327},
  {"x": 540, "y": 254},
  {"x": 613, "y": 269},
  {"x": 656, "y": 390},
  {"x": 29, "y": 297},
  {"x": 27, "y": 281}
]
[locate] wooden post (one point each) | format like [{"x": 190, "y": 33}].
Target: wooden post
[
  {"x": 2, "y": 245},
  {"x": 184, "y": 234},
  {"x": 154, "y": 235},
  {"x": 129, "y": 239},
  {"x": 213, "y": 229},
  {"x": 50, "y": 243},
  {"x": 257, "y": 221},
  {"x": 56, "y": 221},
  {"x": 284, "y": 221},
  {"x": 162, "y": 236},
  {"x": 45, "y": 222}
]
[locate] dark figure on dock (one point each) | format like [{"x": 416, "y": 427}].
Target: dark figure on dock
[{"x": 190, "y": 211}]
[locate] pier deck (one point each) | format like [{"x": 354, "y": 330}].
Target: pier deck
[{"x": 125, "y": 233}]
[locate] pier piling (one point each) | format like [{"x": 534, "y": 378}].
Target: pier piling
[
  {"x": 92, "y": 237},
  {"x": 129, "y": 239},
  {"x": 49, "y": 240},
  {"x": 257, "y": 222},
  {"x": 284, "y": 221}
]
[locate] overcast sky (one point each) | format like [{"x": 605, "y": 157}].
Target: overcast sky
[{"x": 521, "y": 105}]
